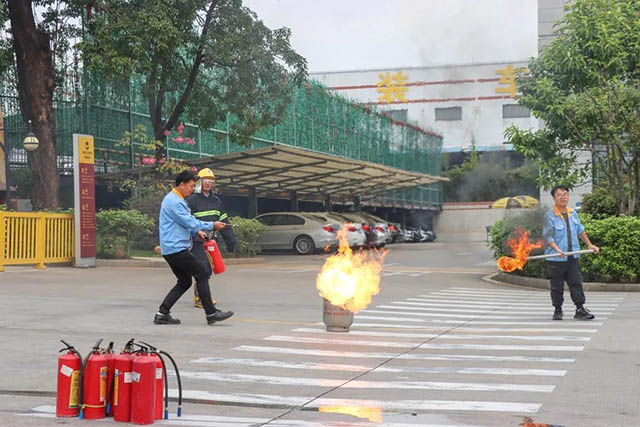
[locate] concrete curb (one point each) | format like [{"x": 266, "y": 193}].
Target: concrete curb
[
  {"x": 161, "y": 263},
  {"x": 531, "y": 282}
]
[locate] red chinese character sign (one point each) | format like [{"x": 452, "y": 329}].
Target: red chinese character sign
[{"x": 84, "y": 200}]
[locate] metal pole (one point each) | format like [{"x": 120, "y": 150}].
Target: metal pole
[
  {"x": 586, "y": 251},
  {"x": 131, "y": 151}
]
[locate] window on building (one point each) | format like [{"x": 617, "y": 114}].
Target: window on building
[
  {"x": 448, "y": 114},
  {"x": 515, "y": 111}
]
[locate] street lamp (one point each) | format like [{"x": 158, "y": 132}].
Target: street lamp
[{"x": 31, "y": 142}]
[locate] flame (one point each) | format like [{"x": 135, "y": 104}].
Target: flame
[
  {"x": 520, "y": 248},
  {"x": 349, "y": 279},
  {"x": 368, "y": 412}
]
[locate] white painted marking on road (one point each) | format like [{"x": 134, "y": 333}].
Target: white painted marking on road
[
  {"x": 388, "y": 385},
  {"x": 398, "y": 405},
  {"x": 395, "y": 273},
  {"x": 463, "y": 310},
  {"x": 426, "y": 356},
  {"x": 509, "y": 297},
  {"x": 462, "y": 302},
  {"x": 464, "y": 328},
  {"x": 451, "y": 335},
  {"x": 431, "y": 346},
  {"x": 479, "y": 322},
  {"x": 361, "y": 368},
  {"x": 459, "y": 316}
]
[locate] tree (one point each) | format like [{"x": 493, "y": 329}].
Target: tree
[
  {"x": 38, "y": 54},
  {"x": 202, "y": 58},
  {"x": 585, "y": 86}
]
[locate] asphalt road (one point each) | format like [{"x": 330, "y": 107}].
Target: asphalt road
[{"x": 439, "y": 346}]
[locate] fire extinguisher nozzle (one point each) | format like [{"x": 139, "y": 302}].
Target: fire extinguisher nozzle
[
  {"x": 179, "y": 411},
  {"x": 166, "y": 414}
]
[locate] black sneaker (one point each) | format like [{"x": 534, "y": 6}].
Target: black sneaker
[
  {"x": 557, "y": 314},
  {"x": 583, "y": 314},
  {"x": 165, "y": 319},
  {"x": 218, "y": 316}
]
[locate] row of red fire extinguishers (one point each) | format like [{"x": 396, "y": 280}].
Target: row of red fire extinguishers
[{"x": 130, "y": 386}]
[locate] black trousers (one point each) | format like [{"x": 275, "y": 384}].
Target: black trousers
[
  {"x": 568, "y": 271},
  {"x": 184, "y": 265}
]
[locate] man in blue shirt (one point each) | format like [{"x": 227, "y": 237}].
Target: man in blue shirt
[
  {"x": 177, "y": 227},
  {"x": 561, "y": 229}
]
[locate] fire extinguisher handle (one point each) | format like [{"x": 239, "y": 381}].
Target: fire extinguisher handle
[
  {"x": 68, "y": 346},
  {"x": 97, "y": 346}
]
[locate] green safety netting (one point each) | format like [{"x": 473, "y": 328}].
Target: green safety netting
[{"x": 316, "y": 119}]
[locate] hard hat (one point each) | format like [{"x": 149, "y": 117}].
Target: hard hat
[{"x": 206, "y": 173}]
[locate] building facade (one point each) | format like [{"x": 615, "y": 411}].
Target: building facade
[{"x": 471, "y": 104}]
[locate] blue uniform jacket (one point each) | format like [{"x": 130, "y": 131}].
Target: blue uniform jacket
[
  {"x": 177, "y": 225},
  {"x": 554, "y": 229}
]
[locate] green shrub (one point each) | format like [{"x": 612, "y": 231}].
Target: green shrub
[
  {"x": 505, "y": 229},
  {"x": 3, "y": 208},
  {"x": 248, "y": 233},
  {"x": 599, "y": 204},
  {"x": 118, "y": 230},
  {"x": 147, "y": 200},
  {"x": 619, "y": 241}
]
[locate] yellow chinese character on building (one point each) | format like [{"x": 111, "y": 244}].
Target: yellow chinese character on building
[
  {"x": 508, "y": 78},
  {"x": 392, "y": 87}
]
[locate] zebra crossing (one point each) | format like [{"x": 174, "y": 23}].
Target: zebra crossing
[
  {"x": 457, "y": 351},
  {"x": 465, "y": 341}
]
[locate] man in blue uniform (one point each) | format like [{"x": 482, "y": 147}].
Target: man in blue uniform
[
  {"x": 177, "y": 228},
  {"x": 206, "y": 206},
  {"x": 561, "y": 229}
]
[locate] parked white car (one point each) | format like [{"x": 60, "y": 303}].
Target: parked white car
[{"x": 301, "y": 232}]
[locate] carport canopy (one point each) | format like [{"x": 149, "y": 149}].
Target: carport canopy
[{"x": 284, "y": 168}]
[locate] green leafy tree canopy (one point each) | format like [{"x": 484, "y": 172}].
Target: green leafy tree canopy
[
  {"x": 202, "y": 58},
  {"x": 585, "y": 86}
]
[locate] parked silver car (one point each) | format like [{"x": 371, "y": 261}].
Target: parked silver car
[
  {"x": 354, "y": 233},
  {"x": 301, "y": 232}
]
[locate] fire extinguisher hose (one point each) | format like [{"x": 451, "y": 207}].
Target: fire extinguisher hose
[{"x": 175, "y": 366}]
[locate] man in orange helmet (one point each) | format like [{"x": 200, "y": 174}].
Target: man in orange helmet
[{"x": 206, "y": 206}]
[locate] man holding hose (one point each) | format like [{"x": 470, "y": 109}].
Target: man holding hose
[{"x": 560, "y": 230}]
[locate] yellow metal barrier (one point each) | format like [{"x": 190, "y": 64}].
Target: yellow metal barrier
[{"x": 35, "y": 238}]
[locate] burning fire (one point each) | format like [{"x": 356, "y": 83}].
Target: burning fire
[
  {"x": 349, "y": 279},
  {"x": 520, "y": 247}
]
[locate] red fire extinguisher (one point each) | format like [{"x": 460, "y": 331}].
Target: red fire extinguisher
[
  {"x": 143, "y": 388},
  {"x": 111, "y": 365},
  {"x": 161, "y": 355},
  {"x": 94, "y": 384},
  {"x": 214, "y": 256},
  {"x": 122, "y": 384},
  {"x": 69, "y": 382}
]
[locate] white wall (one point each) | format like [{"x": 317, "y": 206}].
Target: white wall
[
  {"x": 469, "y": 225},
  {"x": 473, "y": 87}
]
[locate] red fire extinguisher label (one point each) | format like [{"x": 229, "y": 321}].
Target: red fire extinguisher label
[
  {"x": 74, "y": 392},
  {"x": 103, "y": 384}
]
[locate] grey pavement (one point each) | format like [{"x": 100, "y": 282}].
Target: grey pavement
[{"x": 437, "y": 346}]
